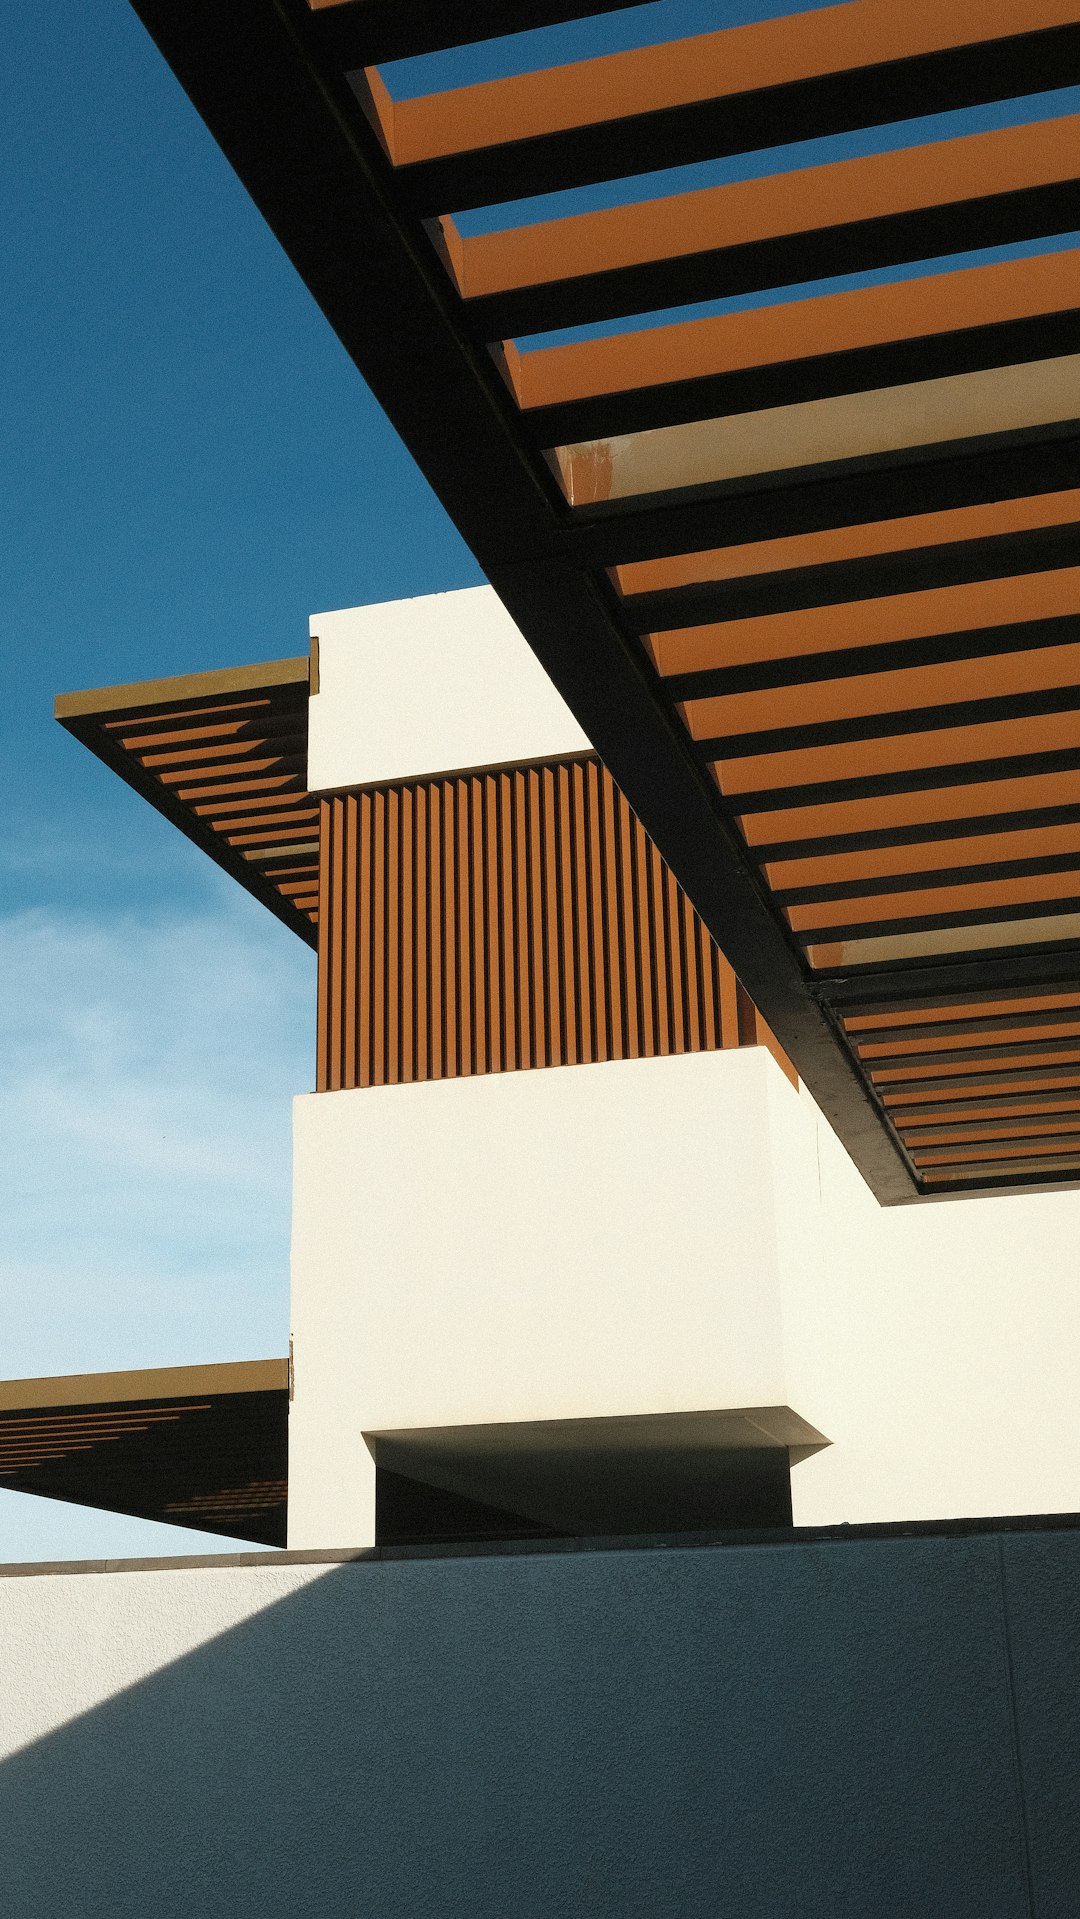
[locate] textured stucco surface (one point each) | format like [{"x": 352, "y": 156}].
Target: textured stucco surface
[
  {"x": 69, "y": 1641},
  {"x": 833, "y": 1728},
  {"x": 558, "y": 1244},
  {"x": 938, "y": 1346}
]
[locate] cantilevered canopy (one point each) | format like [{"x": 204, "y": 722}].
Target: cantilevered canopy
[
  {"x": 807, "y": 575},
  {"x": 201, "y": 1446},
  {"x": 224, "y": 756}
]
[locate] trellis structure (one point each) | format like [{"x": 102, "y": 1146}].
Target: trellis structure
[{"x": 807, "y": 575}]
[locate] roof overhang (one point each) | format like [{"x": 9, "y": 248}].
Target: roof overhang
[
  {"x": 198, "y": 1446},
  {"x": 807, "y": 578},
  {"x": 224, "y": 757}
]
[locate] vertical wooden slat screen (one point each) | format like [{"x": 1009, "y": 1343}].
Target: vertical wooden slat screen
[{"x": 517, "y": 918}]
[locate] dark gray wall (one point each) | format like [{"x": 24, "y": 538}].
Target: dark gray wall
[{"x": 873, "y": 1728}]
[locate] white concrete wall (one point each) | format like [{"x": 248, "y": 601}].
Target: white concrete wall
[
  {"x": 829, "y": 1730},
  {"x": 69, "y": 1642},
  {"x": 438, "y": 684},
  {"x": 568, "y": 1243},
  {"x": 662, "y": 1236},
  {"x": 940, "y": 1348}
]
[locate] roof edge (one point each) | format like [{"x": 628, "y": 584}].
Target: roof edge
[
  {"x": 180, "y": 687},
  {"x": 159, "y": 1382}
]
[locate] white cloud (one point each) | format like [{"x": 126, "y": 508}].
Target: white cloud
[
  {"x": 146, "y": 1069},
  {"x": 147, "y": 1064}
]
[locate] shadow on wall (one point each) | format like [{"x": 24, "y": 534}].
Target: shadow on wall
[{"x": 863, "y": 1727}]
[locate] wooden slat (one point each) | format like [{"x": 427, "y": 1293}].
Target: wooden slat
[
  {"x": 720, "y": 66},
  {"x": 791, "y": 227},
  {"x": 722, "y": 346}
]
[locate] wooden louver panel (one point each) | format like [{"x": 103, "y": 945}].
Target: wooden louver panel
[{"x": 508, "y": 919}]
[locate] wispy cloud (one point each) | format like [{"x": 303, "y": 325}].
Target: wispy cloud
[
  {"x": 147, "y": 1065},
  {"x": 146, "y": 1070}
]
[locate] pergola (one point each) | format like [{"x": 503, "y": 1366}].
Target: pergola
[{"x": 807, "y": 574}]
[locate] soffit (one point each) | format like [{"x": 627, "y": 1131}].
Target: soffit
[
  {"x": 197, "y": 1446},
  {"x": 224, "y": 757}
]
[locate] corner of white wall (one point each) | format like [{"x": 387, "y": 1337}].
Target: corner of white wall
[
  {"x": 438, "y": 684},
  {"x": 567, "y": 1242}
]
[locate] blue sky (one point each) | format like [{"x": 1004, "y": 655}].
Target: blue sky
[{"x": 191, "y": 466}]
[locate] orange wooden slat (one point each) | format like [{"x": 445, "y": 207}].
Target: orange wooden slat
[
  {"x": 977, "y": 1008},
  {"x": 976, "y": 1135},
  {"x": 452, "y": 1052},
  {"x": 437, "y": 924},
  {"x": 505, "y": 855},
  {"x": 929, "y": 856},
  {"x": 989, "y": 741},
  {"x": 534, "y": 929},
  {"x": 972, "y": 1155},
  {"x": 393, "y": 934},
  {"x": 423, "y": 936},
  {"x": 975, "y": 1042},
  {"x": 648, "y": 962},
  {"x": 883, "y": 1076},
  {"x": 797, "y": 330},
  {"x": 776, "y": 206},
  {"x": 350, "y": 986},
  {"x": 673, "y": 935},
  {"x": 975, "y": 896},
  {"x": 407, "y": 963},
  {"x": 608, "y": 798},
  {"x": 601, "y": 993},
  {"x": 633, "y": 953},
  {"x": 684, "y": 72},
  {"x": 558, "y": 1052},
  {"x": 980, "y": 799},
  {"x": 466, "y": 1061},
  {"x": 365, "y": 937},
  {"x": 896, "y": 617},
  {"x": 325, "y": 961},
  {"x": 379, "y": 914},
  {"x": 864, "y": 695},
  {"x": 661, "y": 950},
  {"x": 836, "y": 544}
]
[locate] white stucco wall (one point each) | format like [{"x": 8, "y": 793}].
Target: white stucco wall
[
  {"x": 830, "y": 1729},
  {"x": 437, "y": 684},
  {"x": 941, "y": 1346},
  {"x": 662, "y": 1236},
  {"x": 71, "y": 1641},
  {"x": 569, "y": 1243}
]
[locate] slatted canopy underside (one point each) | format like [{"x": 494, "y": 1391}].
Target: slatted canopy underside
[
  {"x": 198, "y": 1446},
  {"x": 224, "y": 757},
  {"x": 808, "y": 574}
]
